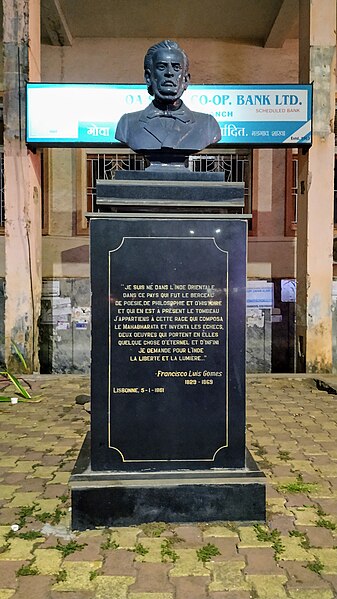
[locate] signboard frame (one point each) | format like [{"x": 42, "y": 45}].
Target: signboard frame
[{"x": 235, "y": 104}]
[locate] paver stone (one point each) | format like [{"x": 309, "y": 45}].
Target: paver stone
[
  {"x": 191, "y": 587},
  {"x": 268, "y": 587},
  {"x": 227, "y": 576},
  {"x": 78, "y": 576},
  {"x": 112, "y": 587},
  {"x": 33, "y": 587},
  {"x": 188, "y": 564},
  {"x": 152, "y": 578}
]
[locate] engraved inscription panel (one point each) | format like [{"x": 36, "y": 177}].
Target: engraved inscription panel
[
  {"x": 168, "y": 343},
  {"x": 168, "y": 348}
]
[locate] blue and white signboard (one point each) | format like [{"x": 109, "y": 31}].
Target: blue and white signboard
[{"x": 87, "y": 114}]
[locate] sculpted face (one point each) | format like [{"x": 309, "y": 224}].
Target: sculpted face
[{"x": 168, "y": 76}]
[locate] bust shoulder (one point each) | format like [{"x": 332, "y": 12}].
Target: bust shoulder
[
  {"x": 124, "y": 124},
  {"x": 130, "y": 117},
  {"x": 208, "y": 123}
]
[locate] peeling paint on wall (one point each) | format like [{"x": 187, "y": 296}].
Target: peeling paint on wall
[
  {"x": 255, "y": 317},
  {"x": 322, "y": 63}
]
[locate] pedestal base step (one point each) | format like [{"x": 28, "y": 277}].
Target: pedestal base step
[{"x": 120, "y": 499}]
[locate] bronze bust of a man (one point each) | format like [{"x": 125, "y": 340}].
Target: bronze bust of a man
[{"x": 167, "y": 124}]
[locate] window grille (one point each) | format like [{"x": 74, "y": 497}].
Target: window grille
[
  {"x": 235, "y": 165},
  {"x": 103, "y": 166}
]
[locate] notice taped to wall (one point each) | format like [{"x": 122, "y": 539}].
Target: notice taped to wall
[{"x": 50, "y": 288}]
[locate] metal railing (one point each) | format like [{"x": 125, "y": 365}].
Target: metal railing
[
  {"x": 236, "y": 167},
  {"x": 103, "y": 166}
]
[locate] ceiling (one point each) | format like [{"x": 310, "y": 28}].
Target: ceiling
[{"x": 259, "y": 22}]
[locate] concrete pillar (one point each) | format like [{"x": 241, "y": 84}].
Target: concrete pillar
[
  {"x": 316, "y": 178},
  {"x": 21, "y": 41}
]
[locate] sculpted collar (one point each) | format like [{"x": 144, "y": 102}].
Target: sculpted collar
[{"x": 183, "y": 114}]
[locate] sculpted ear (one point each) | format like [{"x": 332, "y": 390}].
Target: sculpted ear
[{"x": 187, "y": 80}]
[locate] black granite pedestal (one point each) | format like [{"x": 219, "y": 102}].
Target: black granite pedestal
[
  {"x": 105, "y": 498},
  {"x": 168, "y": 373}
]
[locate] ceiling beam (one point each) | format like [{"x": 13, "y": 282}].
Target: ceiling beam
[
  {"x": 283, "y": 23},
  {"x": 55, "y": 23}
]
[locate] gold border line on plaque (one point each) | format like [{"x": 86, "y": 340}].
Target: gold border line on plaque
[{"x": 109, "y": 343}]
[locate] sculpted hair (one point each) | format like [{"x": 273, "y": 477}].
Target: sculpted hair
[{"x": 168, "y": 45}]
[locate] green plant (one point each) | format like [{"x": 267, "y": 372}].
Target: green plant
[
  {"x": 278, "y": 547},
  {"x": 44, "y": 516},
  {"x": 4, "y": 547},
  {"x": 93, "y": 574},
  {"x": 27, "y": 571},
  {"x": 61, "y": 576},
  {"x": 154, "y": 529},
  {"x": 10, "y": 535},
  {"x": 304, "y": 542},
  {"x": 270, "y": 536},
  {"x": 325, "y": 523},
  {"x": 20, "y": 356},
  {"x": 51, "y": 517},
  {"x": 315, "y": 566},
  {"x": 69, "y": 547},
  {"x": 26, "y": 511},
  {"x": 265, "y": 535},
  {"x": 8, "y": 376},
  {"x": 140, "y": 549},
  {"x": 109, "y": 544},
  {"x": 63, "y": 498},
  {"x": 283, "y": 455},
  {"x": 206, "y": 552},
  {"x": 167, "y": 552},
  {"x": 295, "y": 533},
  {"x": 298, "y": 486},
  {"x": 233, "y": 527},
  {"x": 29, "y": 535}
]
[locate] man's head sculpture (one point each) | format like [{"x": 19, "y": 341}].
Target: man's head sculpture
[
  {"x": 166, "y": 71},
  {"x": 167, "y": 126}
]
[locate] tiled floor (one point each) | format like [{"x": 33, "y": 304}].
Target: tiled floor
[{"x": 291, "y": 431}]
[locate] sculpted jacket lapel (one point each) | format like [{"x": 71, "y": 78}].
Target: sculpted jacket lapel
[{"x": 153, "y": 124}]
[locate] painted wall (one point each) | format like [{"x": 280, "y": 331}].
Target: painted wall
[{"x": 211, "y": 61}]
